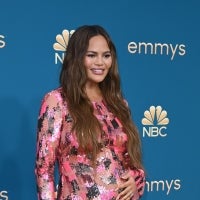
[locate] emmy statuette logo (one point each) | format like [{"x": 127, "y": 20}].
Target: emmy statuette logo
[{"x": 155, "y": 121}]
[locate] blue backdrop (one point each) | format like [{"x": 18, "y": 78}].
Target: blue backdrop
[{"x": 158, "y": 45}]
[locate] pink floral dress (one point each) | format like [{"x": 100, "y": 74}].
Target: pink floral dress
[{"x": 78, "y": 180}]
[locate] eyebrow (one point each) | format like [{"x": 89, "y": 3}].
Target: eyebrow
[{"x": 97, "y": 52}]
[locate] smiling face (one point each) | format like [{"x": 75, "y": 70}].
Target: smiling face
[{"x": 97, "y": 60}]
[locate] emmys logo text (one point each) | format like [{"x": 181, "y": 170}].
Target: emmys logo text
[
  {"x": 165, "y": 186},
  {"x": 155, "y": 121},
  {"x": 2, "y": 41},
  {"x": 171, "y": 50},
  {"x": 61, "y": 44},
  {"x": 3, "y": 195}
]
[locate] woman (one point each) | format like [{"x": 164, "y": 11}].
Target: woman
[{"x": 86, "y": 126}]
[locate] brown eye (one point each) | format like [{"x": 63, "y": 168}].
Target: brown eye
[
  {"x": 108, "y": 55},
  {"x": 90, "y": 55}
]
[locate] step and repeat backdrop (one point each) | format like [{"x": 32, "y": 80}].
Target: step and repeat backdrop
[{"x": 158, "y": 52}]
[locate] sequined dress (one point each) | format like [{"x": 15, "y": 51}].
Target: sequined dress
[{"x": 78, "y": 180}]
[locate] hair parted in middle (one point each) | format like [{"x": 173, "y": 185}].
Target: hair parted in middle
[{"x": 73, "y": 78}]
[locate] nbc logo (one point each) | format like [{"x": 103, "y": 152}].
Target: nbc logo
[
  {"x": 61, "y": 44},
  {"x": 155, "y": 121}
]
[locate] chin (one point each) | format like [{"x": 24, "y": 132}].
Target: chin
[{"x": 97, "y": 80}]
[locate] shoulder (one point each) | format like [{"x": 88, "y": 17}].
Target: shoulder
[
  {"x": 53, "y": 95},
  {"x": 126, "y": 102},
  {"x": 53, "y": 99}
]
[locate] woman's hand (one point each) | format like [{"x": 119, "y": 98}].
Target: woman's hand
[{"x": 127, "y": 187}]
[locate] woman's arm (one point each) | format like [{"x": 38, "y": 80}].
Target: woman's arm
[{"x": 48, "y": 135}]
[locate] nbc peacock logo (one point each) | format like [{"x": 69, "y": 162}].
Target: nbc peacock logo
[
  {"x": 61, "y": 44},
  {"x": 155, "y": 121}
]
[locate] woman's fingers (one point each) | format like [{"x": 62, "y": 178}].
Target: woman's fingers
[
  {"x": 128, "y": 188},
  {"x": 126, "y": 194}
]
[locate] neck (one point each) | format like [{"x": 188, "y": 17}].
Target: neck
[{"x": 93, "y": 92}]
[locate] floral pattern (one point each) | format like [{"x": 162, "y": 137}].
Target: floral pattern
[{"x": 79, "y": 180}]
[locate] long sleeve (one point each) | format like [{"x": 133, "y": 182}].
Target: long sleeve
[
  {"x": 48, "y": 135},
  {"x": 139, "y": 177}
]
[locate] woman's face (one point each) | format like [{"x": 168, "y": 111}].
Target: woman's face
[{"x": 97, "y": 60}]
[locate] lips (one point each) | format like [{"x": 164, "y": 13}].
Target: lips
[{"x": 97, "y": 71}]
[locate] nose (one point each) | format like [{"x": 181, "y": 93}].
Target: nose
[{"x": 99, "y": 60}]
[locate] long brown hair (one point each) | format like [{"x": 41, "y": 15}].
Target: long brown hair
[{"x": 73, "y": 78}]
